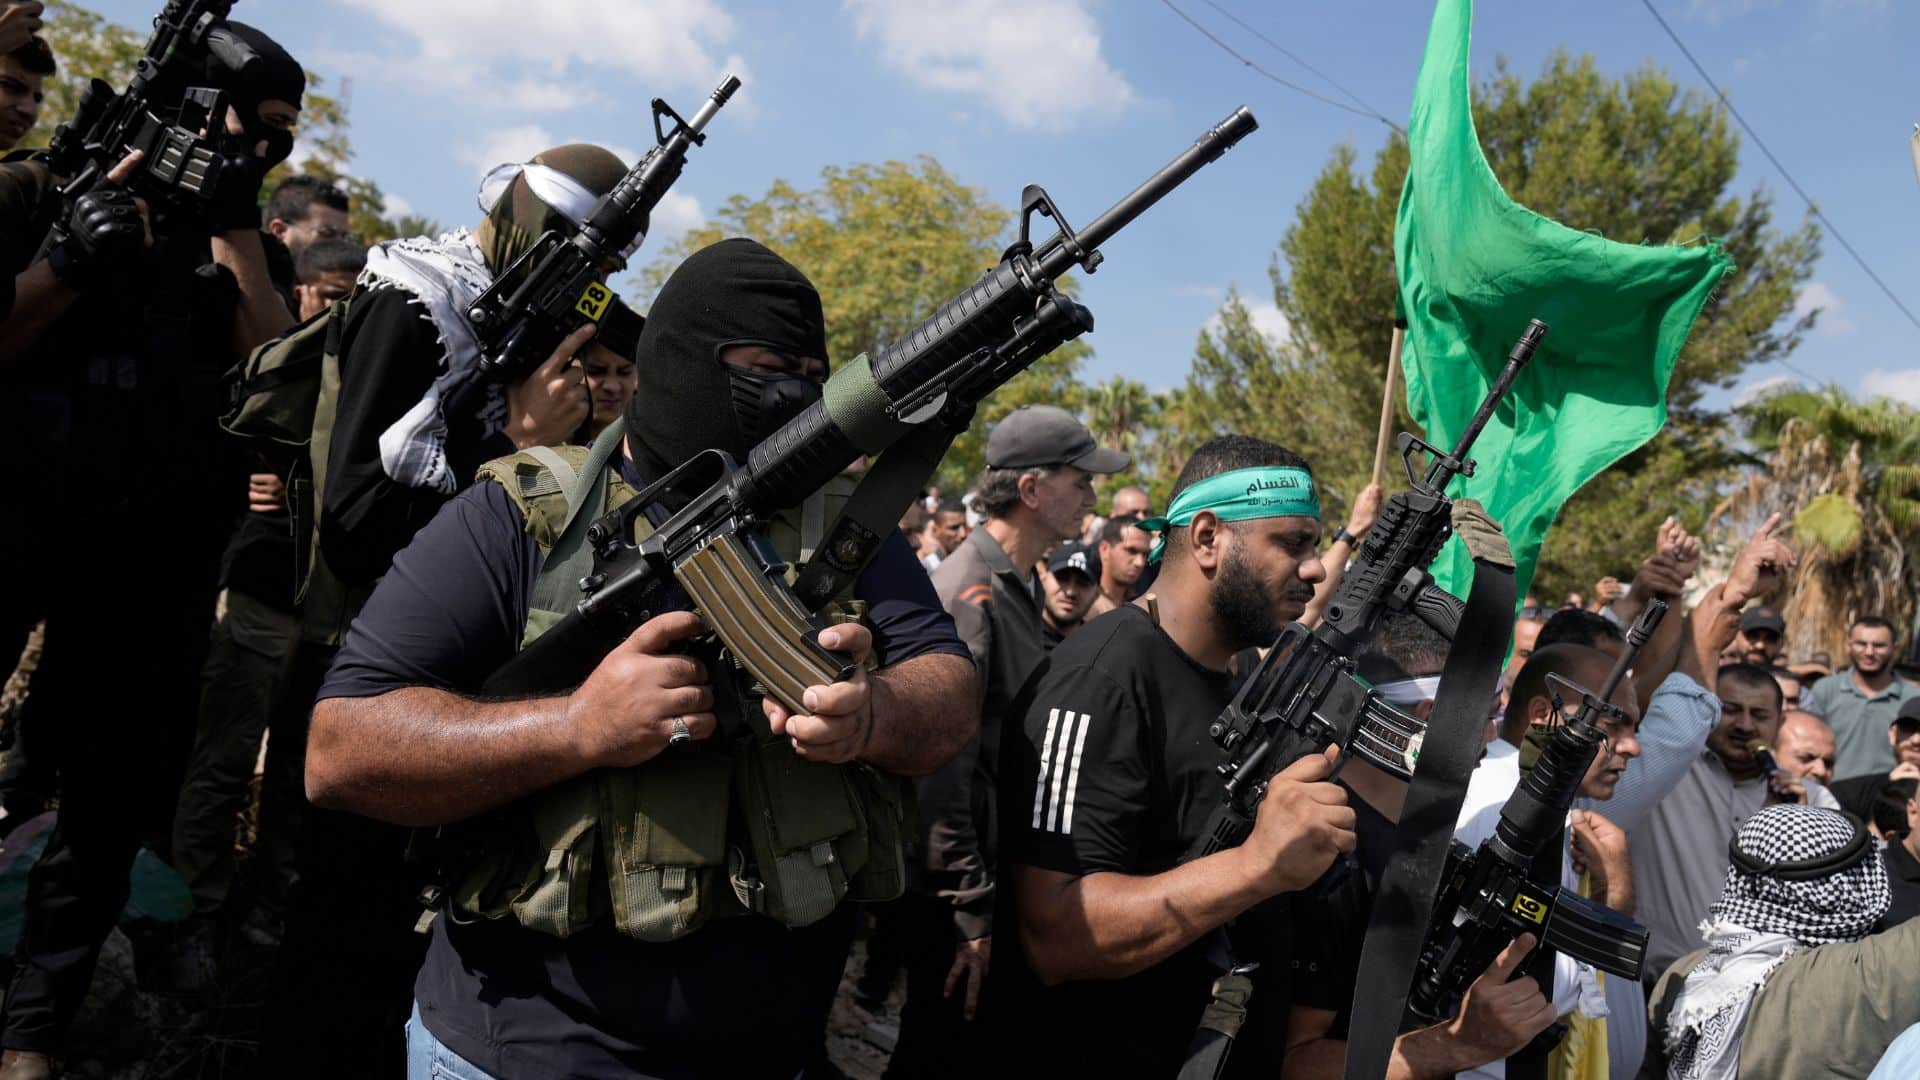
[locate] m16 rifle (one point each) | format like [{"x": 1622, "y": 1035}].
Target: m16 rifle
[
  {"x": 182, "y": 138},
  {"x": 1304, "y": 697},
  {"x": 926, "y": 382},
  {"x": 1488, "y": 896},
  {"x": 554, "y": 286}
]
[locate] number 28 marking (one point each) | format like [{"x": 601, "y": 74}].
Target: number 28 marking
[{"x": 594, "y": 300}]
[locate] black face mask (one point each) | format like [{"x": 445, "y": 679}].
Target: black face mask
[{"x": 763, "y": 401}]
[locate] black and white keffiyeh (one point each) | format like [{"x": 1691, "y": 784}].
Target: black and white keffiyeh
[
  {"x": 1759, "y": 922},
  {"x": 444, "y": 274}
]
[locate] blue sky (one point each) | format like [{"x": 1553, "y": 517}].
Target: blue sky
[{"x": 1088, "y": 96}]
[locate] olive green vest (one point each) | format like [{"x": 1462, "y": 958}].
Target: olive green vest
[{"x": 725, "y": 826}]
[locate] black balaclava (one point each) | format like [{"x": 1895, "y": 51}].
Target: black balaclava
[
  {"x": 733, "y": 293},
  {"x": 277, "y": 77}
]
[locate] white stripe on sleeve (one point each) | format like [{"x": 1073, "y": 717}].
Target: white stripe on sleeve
[{"x": 1046, "y": 762}]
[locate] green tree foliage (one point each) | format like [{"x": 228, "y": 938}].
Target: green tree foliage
[
  {"x": 88, "y": 47},
  {"x": 1886, "y": 432},
  {"x": 1632, "y": 158},
  {"x": 886, "y": 244},
  {"x": 1244, "y": 380}
]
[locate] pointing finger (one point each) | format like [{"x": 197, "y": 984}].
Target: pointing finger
[{"x": 1509, "y": 959}]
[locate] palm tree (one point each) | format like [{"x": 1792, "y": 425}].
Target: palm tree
[{"x": 1842, "y": 473}]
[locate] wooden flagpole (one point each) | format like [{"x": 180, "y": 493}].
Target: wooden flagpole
[{"x": 1392, "y": 395}]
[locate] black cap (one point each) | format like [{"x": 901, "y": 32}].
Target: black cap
[
  {"x": 1048, "y": 435},
  {"x": 1077, "y": 556},
  {"x": 1909, "y": 714},
  {"x": 1763, "y": 618}
]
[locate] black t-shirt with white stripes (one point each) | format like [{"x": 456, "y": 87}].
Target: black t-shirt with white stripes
[{"x": 1112, "y": 770}]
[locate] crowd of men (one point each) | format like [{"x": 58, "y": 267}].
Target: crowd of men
[{"x": 662, "y": 871}]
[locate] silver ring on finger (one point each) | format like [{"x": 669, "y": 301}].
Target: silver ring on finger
[{"x": 681, "y": 733}]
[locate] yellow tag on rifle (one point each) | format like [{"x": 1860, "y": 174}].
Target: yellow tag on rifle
[
  {"x": 1530, "y": 909},
  {"x": 594, "y": 300}
]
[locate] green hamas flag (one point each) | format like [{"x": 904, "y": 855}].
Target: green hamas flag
[{"x": 1474, "y": 266}]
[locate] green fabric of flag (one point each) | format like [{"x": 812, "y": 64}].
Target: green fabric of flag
[{"x": 1474, "y": 266}]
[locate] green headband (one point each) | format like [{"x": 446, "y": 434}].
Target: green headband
[{"x": 1241, "y": 495}]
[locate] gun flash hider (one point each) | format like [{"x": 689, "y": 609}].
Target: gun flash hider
[{"x": 761, "y": 622}]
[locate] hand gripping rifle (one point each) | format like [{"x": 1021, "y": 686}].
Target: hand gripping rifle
[
  {"x": 1304, "y": 697},
  {"x": 184, "y": 157},
  {"x": 1489, "y": 896},
  {"x": 554, "y": 286},
  {"x": 923, "y": 386}
]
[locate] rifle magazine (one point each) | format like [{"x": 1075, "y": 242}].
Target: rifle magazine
[{"x": 758, "y": 619}]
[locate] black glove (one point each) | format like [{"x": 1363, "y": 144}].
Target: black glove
[
  {"x": 105, "y": 227},
  {"x": 236, "y": 202}
]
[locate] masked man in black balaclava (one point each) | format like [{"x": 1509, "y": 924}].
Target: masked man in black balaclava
[
  {"x": 679, "y": 940},
  {"x": 110, "y": 381}
]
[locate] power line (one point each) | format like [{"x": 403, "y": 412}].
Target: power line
[
  {"x": 1296, "y": 58},
  {"x": 1812, "y": 207},
  {"x": 1294, "y": 86}
]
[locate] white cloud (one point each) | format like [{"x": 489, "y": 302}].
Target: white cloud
[
  {"x": 1833, "y": 318},
  {"x": 1900, "y": 385},
  {"x": 397, "y": 206},
  {"x": 677, "y": 213},
  {"x": 1753, "y": 392},
  {"x": 535, "y": 94},
  {"x": 517, "y": 143},
  {"x": 1037, "y": 63},
  {"x": 1265, "y": 316},
  {"x": 522, "y": 53},
  {"x": 669, "y": 40},
  {"x": 1214, "y": 293}
]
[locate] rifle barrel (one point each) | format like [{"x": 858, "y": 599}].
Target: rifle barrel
[
  {"x": 1523, "y": 351},
  {"x": 712, "y": 105},
  {"x": 1055, "y": 257}
]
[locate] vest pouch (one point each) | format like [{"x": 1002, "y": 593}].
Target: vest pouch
[
  {"x": 667, "y": 841},
  {"x": 496, "y": 862},
  {"x": 566, "y": 839},
  {"x": 884, "y": 801},
  {"x": 804, "y": 825}
]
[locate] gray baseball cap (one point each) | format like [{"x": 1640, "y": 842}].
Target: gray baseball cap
[{"x": 1048, "y": 435}]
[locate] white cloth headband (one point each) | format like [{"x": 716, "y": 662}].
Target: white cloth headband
[
  {"x": 567, "y": 196},
  {"x": 1409, "y": 691}
]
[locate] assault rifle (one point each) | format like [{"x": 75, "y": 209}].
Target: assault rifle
[
  {"x": 1304, "y": 697},
  {"x": 554, "y": 286},
  {"x": 182, "y": 142},
  {"x": 926, "y": 382},
  {"x": 1489, "y": 896}
]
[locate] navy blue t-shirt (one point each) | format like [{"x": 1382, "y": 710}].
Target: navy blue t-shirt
[{"x": 743, "y": 996}]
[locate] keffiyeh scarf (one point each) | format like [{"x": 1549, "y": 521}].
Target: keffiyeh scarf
[
  {"x": 443, "y": 274},
  {"x": 1758, "y": 924}
]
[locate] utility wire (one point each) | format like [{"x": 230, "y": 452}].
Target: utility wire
[
  {"x": 1296, "y": 58},
  {"x": 1812, "y": 207},
  {"x": 1294, "y": 86}
]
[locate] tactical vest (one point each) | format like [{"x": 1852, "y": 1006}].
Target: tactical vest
[
  {"x": 726, "y": 826},
  {"x": 287, "y": 393}
]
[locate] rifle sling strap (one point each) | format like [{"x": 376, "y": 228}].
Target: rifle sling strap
[
  {"x": 1403, "y": 901},
  {"x": 872, "y": 513},
  {"x": 586, "y": 500}
]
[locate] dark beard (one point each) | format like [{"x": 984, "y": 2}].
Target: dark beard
[{"x": 1242, "y": 606}]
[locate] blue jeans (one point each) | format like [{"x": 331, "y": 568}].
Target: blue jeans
[{"x": 427, "y": 1059}]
